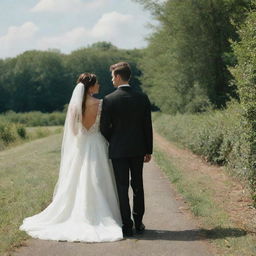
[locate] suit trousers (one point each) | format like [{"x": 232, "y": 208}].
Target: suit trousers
[{"x": 122, "y": 168}]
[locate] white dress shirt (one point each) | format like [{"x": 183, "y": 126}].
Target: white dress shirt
[{"x": 123, "y": 85}]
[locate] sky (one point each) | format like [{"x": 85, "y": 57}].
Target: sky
[{"x": 70, "y": 24}]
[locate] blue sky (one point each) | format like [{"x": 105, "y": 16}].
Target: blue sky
[{"x": 70, "y": 24}]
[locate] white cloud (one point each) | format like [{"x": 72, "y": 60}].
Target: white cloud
[
  {"x": 114, "y": 27},
  {"x": 66, "y": 5},
  {"x": 112, "y": 24},
  {"x": 17, "y": 39},
  {"x": 66, "y": 42}
]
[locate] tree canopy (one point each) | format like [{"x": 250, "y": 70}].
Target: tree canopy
[
  {"x": 185, "y": 67},
  {"x": 44, "y": 80}
]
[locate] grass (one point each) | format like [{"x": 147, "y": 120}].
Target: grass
[
  {"x": 216, "y": 225},
  {"x": 28, "y": 174},
  {"x": 42, "y": 131}
]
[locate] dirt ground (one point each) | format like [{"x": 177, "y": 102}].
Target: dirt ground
[{"x": 230, "y": 194}]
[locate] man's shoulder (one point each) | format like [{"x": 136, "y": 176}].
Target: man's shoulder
[
  {"x": 111, "y": 95},
  {"x": 141, "y": 95},
  {"x": 131, "y": 91}
]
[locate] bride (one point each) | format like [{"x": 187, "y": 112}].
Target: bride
[{"x": 84, "y": 205}]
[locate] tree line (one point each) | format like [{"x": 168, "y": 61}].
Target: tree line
[
  {"x": 185, "y": 68},
  {"x": 44, "y": 80}
]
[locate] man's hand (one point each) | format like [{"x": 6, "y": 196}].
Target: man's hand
[{"x": 147, "y": 158}]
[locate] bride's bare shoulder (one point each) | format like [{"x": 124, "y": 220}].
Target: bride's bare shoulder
[
  {"x": 93, "y": 102},
  {"x": 96, "y": 102}
]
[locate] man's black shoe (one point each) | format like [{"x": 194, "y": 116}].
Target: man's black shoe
[
  {"x": 140, "y": 229},
  {"x": 127, "y": 232}
]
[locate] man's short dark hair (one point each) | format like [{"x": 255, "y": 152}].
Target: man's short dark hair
[{"x": 123, "y": 69}]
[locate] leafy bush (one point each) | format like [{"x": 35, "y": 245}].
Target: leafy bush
[
  {"x": 245, "y": 79},
  {"x": 21, "y": 131},
  {"x": 8, "y": 133},
  {"x": 216, "y": 135}
]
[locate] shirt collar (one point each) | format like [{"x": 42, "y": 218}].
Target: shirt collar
[{"x": 123, "y": 85}]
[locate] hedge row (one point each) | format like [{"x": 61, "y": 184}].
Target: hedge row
[
  {"x": 245, "y": 78},
  {"x": 216, "y": 135}
]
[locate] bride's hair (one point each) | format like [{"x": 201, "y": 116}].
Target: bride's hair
[{"x": 88, "y": 80}]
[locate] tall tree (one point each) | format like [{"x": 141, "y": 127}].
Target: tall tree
[
  {"x": 4, "y": 94},
  {"x": 41, "y": 82},
  {"x": 185, "y": 65}
]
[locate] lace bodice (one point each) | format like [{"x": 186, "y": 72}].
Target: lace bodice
[{"x": 95, "y": 127}]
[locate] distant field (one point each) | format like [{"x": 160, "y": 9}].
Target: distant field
[
  {"x": 17, "y": 128},
  {"x": 34, "y": 118}
]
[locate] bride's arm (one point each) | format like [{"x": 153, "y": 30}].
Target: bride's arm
[
  {"x": 105, "y": 120},
  {"x": 74, "y": 120}
]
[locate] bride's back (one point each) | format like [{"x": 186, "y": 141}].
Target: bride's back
[{"x": 90, "y": 113}]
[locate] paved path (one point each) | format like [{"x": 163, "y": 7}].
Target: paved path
[{"x": 171, "y": 231}]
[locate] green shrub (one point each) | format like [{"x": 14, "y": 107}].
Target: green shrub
[
  {"x": 245, "y": 79},
  {"x": 21, "y": 131},
  {"x": 216, "y": 135},
  {"x": 8, "y": 133}
]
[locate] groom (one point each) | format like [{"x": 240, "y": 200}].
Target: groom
[{"x": 126, "y": 124}]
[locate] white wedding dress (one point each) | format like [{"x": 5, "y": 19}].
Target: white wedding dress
[{"x": 85, "y": 203}]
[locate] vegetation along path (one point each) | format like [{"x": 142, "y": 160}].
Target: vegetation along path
[{"x": 222, "y": 203}]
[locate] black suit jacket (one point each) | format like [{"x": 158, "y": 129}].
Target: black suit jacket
[{"x": 126, "y": 123}]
